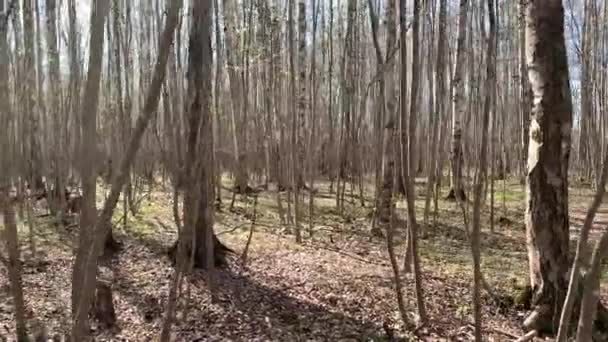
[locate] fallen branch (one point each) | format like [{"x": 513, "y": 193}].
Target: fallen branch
[
  {"x": 528, "y": 337},
  {"x": 496, "y": 330},
  {"x": 232, "y": 230}
]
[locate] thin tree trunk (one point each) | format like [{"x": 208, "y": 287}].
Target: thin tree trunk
[
  {"x": 101, "y": 224},
  {"x": 409, "y": 169},
  {"x": 591, "y": 291},
  {"x": 236, "y": 91},
  {"x": 458, "y": 105},
  {"x": 581, "y": 256},
  {"x": 14, "y": 266},
  {"x": 481, "y": 173},
  {"x": 80, "y": 304}
]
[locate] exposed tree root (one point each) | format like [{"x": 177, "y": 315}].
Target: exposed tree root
[
  {"x": 541, "y": 319},
  {"x": 111, "y": 245},
  {"x": 452, "y": 195},
  {"x": 220, "y": 252},
  {"x": 103, "y": 308},
  {"x": 528, "y": 337}
]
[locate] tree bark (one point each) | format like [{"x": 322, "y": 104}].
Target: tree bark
[
  {"x": 199, "y": 197},
  {"x": 458, "y": 105},
  {"x": 548, "y": 157},
  {"x": 388, "y": 157},
  {"x": 590, "y": 302},
  {"x": 409, "y": 167},
  {"x": 86, "y": 276},
  {"x": 237, "y": 93},
  {"x": 482, "y": 171},
  {"x": 80, "y": 302}
]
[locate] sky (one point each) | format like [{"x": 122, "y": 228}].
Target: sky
[{"x": 573, "y": 8}]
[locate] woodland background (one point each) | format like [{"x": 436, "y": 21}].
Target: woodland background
[{"x": 293, "y": 170}]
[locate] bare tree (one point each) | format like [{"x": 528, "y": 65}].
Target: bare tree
[
  {"x": 482, "y": 171},
  {"x": 548, "y": 157},
  {"x": 408, "y": 170},
  {"x": 10, "y": 235},
  {"x": 236, "y": 91},
  {"x": 80, "y": 302},
  {"x": 100, "y": 225},
  {"x": 458, "y": 105}
]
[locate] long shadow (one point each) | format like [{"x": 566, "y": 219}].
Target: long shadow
[
  {"x": 273, "y": 313},
  {"x": 488, "y": 240},
  {"x": 247, "y": 309}
]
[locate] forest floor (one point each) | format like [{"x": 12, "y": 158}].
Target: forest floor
[{"x": 335, "y": 286}]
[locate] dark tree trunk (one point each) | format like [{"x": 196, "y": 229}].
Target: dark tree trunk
[
  {"x": 103, "y": 309},
  {"x": 220, "y": 251}
]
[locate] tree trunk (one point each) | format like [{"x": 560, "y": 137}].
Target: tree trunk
[
  {"x": 548, "y": 157},
  {"x": 409, "y": 167},
  {"x": 80, "y": 302},
  {"x": 524, "y": 86},
  {"x": 302, "y": 96},
  {"x": 482, "y": 171},
  {"x": 198, "y": 198},
  {"x": 590, "y": 303},
  {"x": 85, "y": 276},
  {"x": 388, "y": 174},
  {"x": 14, "y": 263},
  {"x": 237, "y": 93},
  {"x": 58, "y": 174},
  {"x": 458, "y": 105},
  {"x": 34, "y": 176}
]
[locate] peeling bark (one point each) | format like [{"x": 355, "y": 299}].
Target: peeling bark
[{"x": 548, "y": 157}]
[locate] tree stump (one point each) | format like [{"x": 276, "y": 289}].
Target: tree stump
[{"x": 103, "y": 309}]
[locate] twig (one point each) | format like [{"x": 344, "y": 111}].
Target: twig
[
  {"x": 497, "y": 330},
  {"x": 502, "y": 332},
  {"x": 232, "y": 230}
]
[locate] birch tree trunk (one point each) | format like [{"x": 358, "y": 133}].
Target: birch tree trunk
[
  {"x": 548, "y": 156},
  {"x": 458, "y": 105}
]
